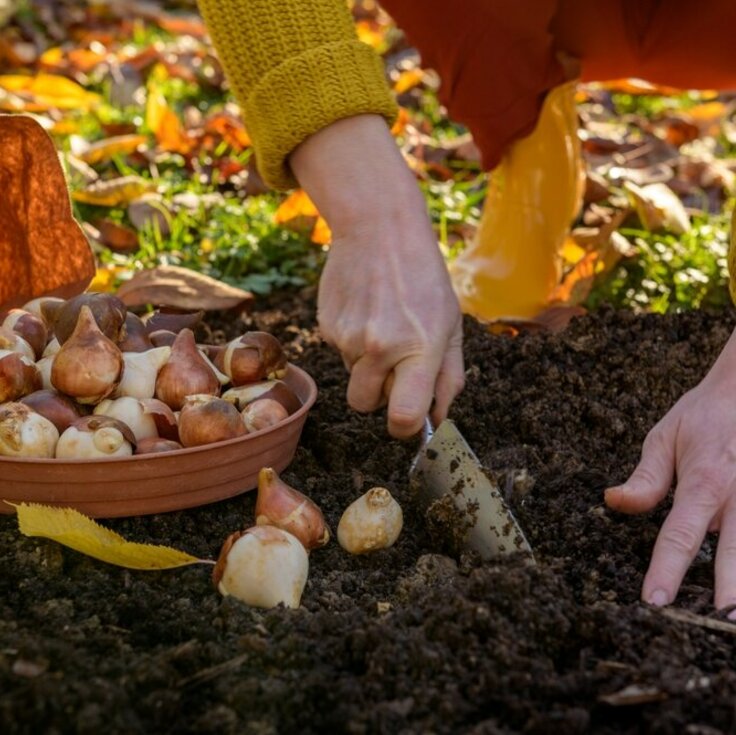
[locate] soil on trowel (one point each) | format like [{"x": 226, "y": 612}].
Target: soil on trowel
[{"x": 417, "y": 638}]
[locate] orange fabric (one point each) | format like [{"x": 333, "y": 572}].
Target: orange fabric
[{"x": 498, "y": 58}]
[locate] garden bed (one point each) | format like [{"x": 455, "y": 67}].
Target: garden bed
[{"x": 416, "y": 638}]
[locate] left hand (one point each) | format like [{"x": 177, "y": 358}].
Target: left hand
[{"x": 696, "y": 443}]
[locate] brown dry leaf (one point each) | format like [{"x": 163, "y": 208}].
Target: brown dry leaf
[
  {"x": 658, "y": 207},
  {"x": 114, "y": 192},
  {"x": 117, "y": 237},
  {"x": 181, "y": 288},
  {"x": 103, "y": 150},
  {"x": 43, "y": 249}
]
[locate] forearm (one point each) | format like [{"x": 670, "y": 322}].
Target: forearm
[{"x": 295, "y": 67}]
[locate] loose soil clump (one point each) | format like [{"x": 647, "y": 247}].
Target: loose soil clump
[{"x": 417, "y": 638}]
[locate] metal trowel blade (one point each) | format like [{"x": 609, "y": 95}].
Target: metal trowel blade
[{"x": 447, "y": 465}]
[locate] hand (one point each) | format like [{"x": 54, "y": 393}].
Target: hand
[
  {"x": 696, "y": 442},
  {"x": 385, "y": 298}
]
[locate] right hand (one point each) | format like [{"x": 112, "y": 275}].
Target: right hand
[{"x": 385, "y": 297}]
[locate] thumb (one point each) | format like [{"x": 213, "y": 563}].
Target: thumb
[{"x": 652, "y": 478}]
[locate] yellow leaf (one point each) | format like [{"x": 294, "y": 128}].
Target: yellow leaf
[
  {"x": 75, "y": 530},
  {"x": 47, "y": 91},
  {"x": 105, "y": 149},
  {"x": 571, "y": 252},
  {"x": 114, "y": 192}
]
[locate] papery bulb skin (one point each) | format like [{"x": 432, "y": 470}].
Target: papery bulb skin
[
  {"x": 205, "y": 420},
  {"x": 156, "y": 445},
  {"x": 51, "y": 348},
  {"x": 278, "y": 504},
  {"x": 30, "y": 327},
  {"x": 263, "y": 413},
  {"x": 253, "y": 356},
  {"x": 35, "y": 306},
  {"x": 25, "y": 433},
  {"x": 264, "y": 567},
  {"x": 132, "y": 413},
  {"x": 134, "y": 337},
  {"x": 172, "y": 320},
  {"x": 19, "y": 376},
  {"x": 371, "y": 522},
  {"x": 107, "y": 310},
  {"x": 276, "y": 390},
  {"x": 165, "y": 419},
  {"x": 95, "y": 437},
  {"x": 88, "y": 367},
  {"x": 59, "y": 409},
  {"x": 13, "y": 342},
  {"x": 141, "y": 371},
  {"x": 162, "y": 338},
  {"x": 185, "y": 373}
]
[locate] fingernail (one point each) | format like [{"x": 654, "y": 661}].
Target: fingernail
[
  {"x": 658, "y": 598},
  {"x": 613, "y": 495}
]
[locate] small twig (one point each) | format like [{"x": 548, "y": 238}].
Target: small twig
[
  {"x": 232, "y": 664},
  {"x": 684, "y": 616}
]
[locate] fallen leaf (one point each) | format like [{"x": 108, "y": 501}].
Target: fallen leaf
[
  {"x": 43, "y": 249},
  {"x": 181, "y": 288},
  {"x": 658, "y": 207},
  {"x": 117, "y": 237},
  {"x": 114, "y": 192},
  {"x": 230, "y": 129},
  {"x": 150, "y": 211},
  {"x": 321, "y": 234},
  {"x": 75, "y": 530},
  {"x": 577, "y": 283},
  {"x": 163, "y": 121},
  {"x": 47, "y": 91},
  {"x": 408, "y": 80},
  {"x": 297, "y": 204},
  {"x": 103, "y": 150}
]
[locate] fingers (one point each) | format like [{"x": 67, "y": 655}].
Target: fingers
[
  {"x": 365, "y": 389},
  {"x": 726, "y": 558},
  {"x": 696, "y": 502},
  {"x": 652, "y": 478},
  {"x": 450, "y": 382},
  {"x": 411, "y": 396}
]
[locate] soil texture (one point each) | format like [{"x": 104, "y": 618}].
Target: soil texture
[{"x": 422, "y": 637}]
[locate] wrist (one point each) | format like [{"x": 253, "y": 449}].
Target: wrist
[{"x": 355, "y": 174}]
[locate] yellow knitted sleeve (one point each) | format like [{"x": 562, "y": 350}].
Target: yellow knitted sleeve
[{"x": 295, "y": 66}]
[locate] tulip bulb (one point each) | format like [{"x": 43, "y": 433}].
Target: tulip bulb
[
  {"x": 263, "y": 414},
  {"x": 95, "y": 437},
  {"x": 263, "y": 566},
  {"x": 156, "y": 445},
  {"x": 134, "y": 336},
  {"x": 205, "y": 419},
  {"x": 171, "y": 320},
  {"x": 373, "y": 521},
  {"x": 30, "y": 327},
  {"x": 60, "y": 410},
  {"x": 34, "y": 306},
  {"x": 283, "y": 506},
  {"x": 88, "y": 366},
  {"x": 273, "y": 389},
  {"x": 141, "y": 371},
  {"x": 19, "y": 376},
  {"x": 25, "y": 433},
  {"x": 251, "y": 357},
  {"x": 13, "y": 342},
  {"x": 44, "y": 366},
  {"x": 51, "y": 348},
  {"x": 185, "y": 373},
  {"x": 132, "y": 413},
  {"x": 107, "y": 311}
]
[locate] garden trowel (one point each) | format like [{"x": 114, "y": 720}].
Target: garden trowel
[{"x": 446, "y": 467}]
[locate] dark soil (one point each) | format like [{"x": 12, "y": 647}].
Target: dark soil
[{"x": 410, "y": 639}]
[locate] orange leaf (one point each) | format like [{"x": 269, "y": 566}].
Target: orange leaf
[
  {"x": 44, "y": 92},
  {"x": 321, "y": 234},
  {"x": 42, "y": 248},
  {"x": 181, "y": 288},
  {"x": 165, "y": 125},
  {"x": 408, "y": 80},
  {"x": 297, "y": 204},
  {"x": 230, "y": 129},
  {"x": 577, "y": 283},
  {"x": 402, "y": 120}
]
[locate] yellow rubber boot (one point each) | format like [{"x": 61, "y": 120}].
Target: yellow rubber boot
[{"x": 534, "y": 194}]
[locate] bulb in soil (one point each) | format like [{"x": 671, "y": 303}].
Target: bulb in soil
[
  {"x": 263, "y": 566},
  {"x": 372, "y": 522},
  {"x": 25, "y": 433},
  {"x": 283, "y": 506}
]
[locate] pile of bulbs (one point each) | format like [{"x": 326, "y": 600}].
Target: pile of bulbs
[
  {"x": 268, "y": 564},
  {"x": 85, "y": 379}
]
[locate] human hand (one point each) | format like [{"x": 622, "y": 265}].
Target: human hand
[
  {"x": 695, "y": 442},
  {"x": 385, "y": 298}
]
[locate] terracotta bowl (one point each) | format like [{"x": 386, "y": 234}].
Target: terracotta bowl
[{"x": 157, "y": 483}]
